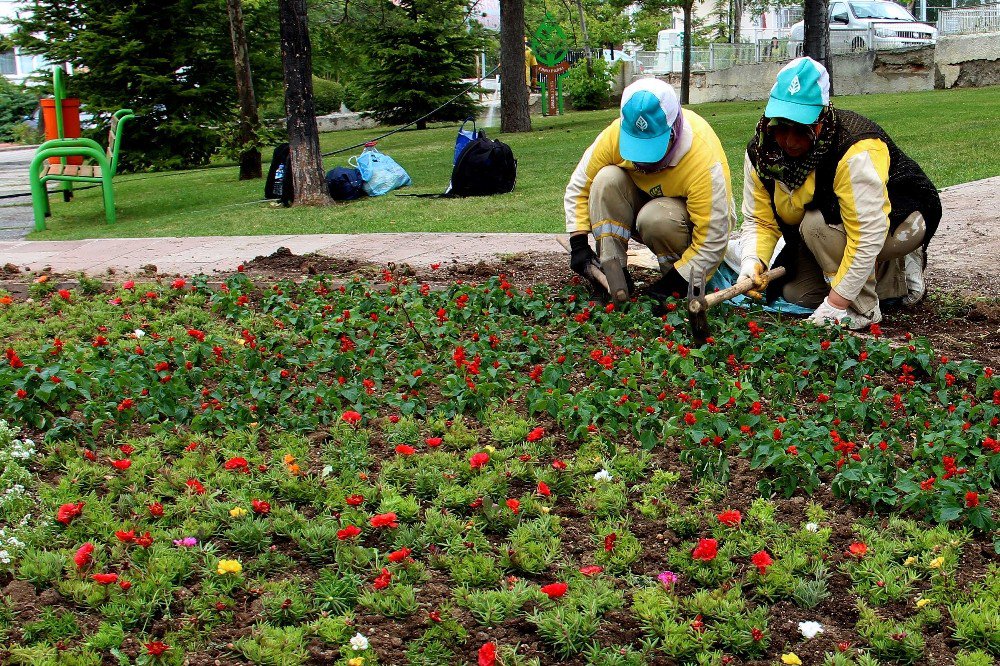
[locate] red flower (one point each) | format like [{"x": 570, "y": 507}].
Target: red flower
[
  {"x": 105, "y": 579},
  {"x": 487, "y": 655},
  {"x": 156, "y": 510},
  {"x": 558, "y": 464},
  {"x": 591, "y": 570},
  {"x": 857, "y": 549},
  {"x": 126, "y": 449},
  {"x": 399, "y": 555},
  {"x": 156, "y": 648},
  {"x": 927, "y": 484},
  {"x": 121, "y": 465},
  {"x": 64, "y": 294},
  {"x": 382, "y": 580},
  {"x": 124, "y": 584},
  {"x": 67, "y": 512},
  {"x": 128, "y": 284},
  {"x": 260, "y": 506},
  {"x": 972, "y": 499},
  {"x": 543, "y": 489},
  {"x": 126, "y": 404},
  {"x": 513, "y": 505},
  {"x": 146, "y": 540},
  {"x": 730, "y": 518},
  {"x": 405, "y": 450},
  {"x": 195, "y": 485},
  {"x": 350, "y": 417},
  {"x": 354, "y": 500},
  {"x": 83, "y": 555},
  {"x": 756, "y": 634},
  {"x": 554, "y": 590},
  {"x": 239, "y": 464},
  {"x": 196, "y": 334},
  {"x": 706, "y": 550},
  {"x": 178, "y": 283},
  {"x": 433, "y": 441},
  {"x": 348, "y": 532},
  {"x": 609, "y": 542},
  {"x": 125, "y": 537},
  {"x": 478, "y": 460},
  {"x": 384, "y": 520},
  {"x": 762, "y": 561},
  {"x": 536, "y": 434}
]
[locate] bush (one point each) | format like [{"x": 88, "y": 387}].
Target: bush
[
  {"x": 588, "y": 91},
  {"x": 354, "y": 96},
  {"x": 328, "y": 95},
  {"x": 15, "y": 104}
]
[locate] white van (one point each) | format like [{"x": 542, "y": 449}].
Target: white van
[{"x": 860, "y": 25}]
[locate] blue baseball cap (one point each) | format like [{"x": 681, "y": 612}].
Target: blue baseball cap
[
  {"x": 801, "y": 92},
  {"x": 649, "y": 109}
]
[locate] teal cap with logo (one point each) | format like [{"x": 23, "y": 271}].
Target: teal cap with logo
[
  {"x": 649, "y": 109},
  {"x": 801, "y": 92}
]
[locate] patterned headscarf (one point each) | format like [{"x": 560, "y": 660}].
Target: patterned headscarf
[{"x": 771, "y": 162}]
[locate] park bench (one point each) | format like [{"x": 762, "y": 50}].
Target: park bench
[{"x": 102, "y": 166}]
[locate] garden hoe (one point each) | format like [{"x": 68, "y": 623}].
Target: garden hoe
[
  {"x": 699, "y": 303},
  {"x": 594, "y": 270}
]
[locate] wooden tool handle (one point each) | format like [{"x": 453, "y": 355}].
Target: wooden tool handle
[
  {"x": 741, "y": 287},
  {"x": 593, "y": 271}
]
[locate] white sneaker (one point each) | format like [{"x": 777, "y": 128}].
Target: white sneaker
[
  {"x": 913, "y": 269},
  {"x": 856, "y": 321}
]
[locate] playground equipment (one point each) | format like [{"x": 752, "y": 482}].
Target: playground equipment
[{"x": 62, "y": 159}]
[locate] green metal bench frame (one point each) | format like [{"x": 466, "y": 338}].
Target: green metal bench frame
[{"x": 104, "y": 160}]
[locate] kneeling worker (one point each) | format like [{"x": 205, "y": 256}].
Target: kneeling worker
[
  {"x": 657, "y": 174},
  {"x": 856, "y": 213}
]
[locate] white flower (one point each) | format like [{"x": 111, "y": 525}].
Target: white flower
[
  {"x": 4, "y": 557},
  {"x": 138, "y": 333},
  {"x": 810, "y": 628},
  {"x": 359, "y": 642},
  {"x": 812, "y": 527},
  {"x": 603, "y": 475}
]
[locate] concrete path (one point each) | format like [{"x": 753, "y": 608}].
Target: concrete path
[{"x": 16, "y": 219}]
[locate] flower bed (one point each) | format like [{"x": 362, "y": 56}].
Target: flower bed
[{"x": 383, "y": 473}]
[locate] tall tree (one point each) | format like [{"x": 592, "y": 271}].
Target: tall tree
[
  {"x": 418, "y": 53},
  {"x": 250, "y": 161},
  {"x": 514, "y": 115},
  {"x": 816, "y": 41},
  {"x": 303, "y": 133},
  {"x": 687, "y": 6}
]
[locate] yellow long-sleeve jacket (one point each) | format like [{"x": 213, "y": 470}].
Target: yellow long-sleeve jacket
[
  {"x": 698, "y": 172},
  {"x": 859, "y": 184}
]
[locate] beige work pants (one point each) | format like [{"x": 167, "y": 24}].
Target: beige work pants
[
  {"x": 826, "y": 245},
  {"x": 619, "y": 211}
]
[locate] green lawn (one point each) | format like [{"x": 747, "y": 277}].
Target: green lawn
[{"x": 948, "y": 132}]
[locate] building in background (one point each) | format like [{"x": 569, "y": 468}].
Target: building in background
[{"x": 14, "y": 65}]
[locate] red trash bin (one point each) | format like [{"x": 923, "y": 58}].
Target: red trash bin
[{"x": 71, "y": 124}]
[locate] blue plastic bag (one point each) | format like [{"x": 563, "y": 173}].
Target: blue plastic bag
[
  {"x": 464, "y": 138},
  {"x": 381, "y": 173}
]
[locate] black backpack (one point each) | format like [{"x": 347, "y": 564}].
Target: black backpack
[
  {"x": 345, "y": 184},
  {"x": 485, "y": 166},
  {"x": 279, "y": 176}
]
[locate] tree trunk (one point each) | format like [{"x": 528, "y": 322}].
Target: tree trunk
[
  {"x": 737, "y": 20},
  {"x": 686, "y": 59},
  {"x": 586, "y": 39},
  {"x": 303, "y": 133},
  {"x": 513, "y": 91},
  {"x": 250, "y": 167},
  {"x": 816, "y": 41}
]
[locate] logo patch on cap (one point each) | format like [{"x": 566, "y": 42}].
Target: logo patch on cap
[
  {"x": 641, "y": 124},
  {"x": 794, "y": 86}
]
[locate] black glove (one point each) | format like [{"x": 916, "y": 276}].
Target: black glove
[
  {"x": 667, "y": 286},
  {"x": 582, "y": 258}
]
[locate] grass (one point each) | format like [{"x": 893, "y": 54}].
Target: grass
[{"x": 947, "y": 132}]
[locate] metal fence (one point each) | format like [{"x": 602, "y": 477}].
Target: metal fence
[{"x": 969, "y": 20}]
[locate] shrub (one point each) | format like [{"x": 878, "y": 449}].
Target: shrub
[
  {"x": 589, "y": 91},
  {"x": 15, "y": 104},
  {"x": 328, "y": 96}
]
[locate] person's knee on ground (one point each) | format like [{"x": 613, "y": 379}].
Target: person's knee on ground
[
  {"x": 614, "y": 203},
  {"x": 665, "y": 228}
]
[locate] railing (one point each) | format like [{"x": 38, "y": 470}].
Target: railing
[
  {"x": 969, "y": 20},
  {"x": 704, "y": 59}
]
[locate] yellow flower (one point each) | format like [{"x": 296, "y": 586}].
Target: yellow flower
[
  {"x": 936, "y": 562},
  {"x": 230, "y": 567},
  {"x": 490, "y": 449},
  {"x": 922, "y": 602},
  {"x": 544, "y": 509},
  {"x": 910, "y": 561},
  {"x": 289, "y": 458},
  {"x": 241, "y": 342},
  {"x": 237, "y": 512},
  {"x": 791, "y": 658},
  {"x": 356, "y": 661}
]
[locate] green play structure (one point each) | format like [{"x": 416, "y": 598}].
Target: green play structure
[{"x": 75, "y": 160}]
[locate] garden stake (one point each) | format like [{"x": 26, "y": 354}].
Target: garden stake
[{"x": 698, "y": 303}]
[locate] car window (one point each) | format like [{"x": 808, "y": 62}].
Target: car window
[
  {"x": 837, "y": 8},
  {"x": 880, "y": 10}
]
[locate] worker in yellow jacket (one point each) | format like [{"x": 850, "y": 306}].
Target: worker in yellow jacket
[
  {"x": 658, "y": 175},
  {"x": 855, "y": 212}
]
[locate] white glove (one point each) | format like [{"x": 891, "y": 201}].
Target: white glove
[{"x": 827, "y": 314}]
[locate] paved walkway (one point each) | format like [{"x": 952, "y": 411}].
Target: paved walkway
[{"x": 16, "y": 219}]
